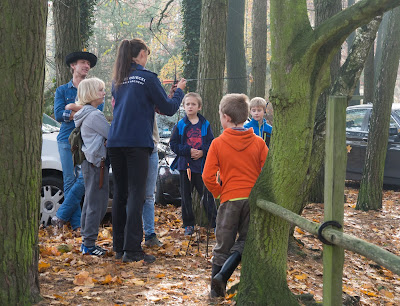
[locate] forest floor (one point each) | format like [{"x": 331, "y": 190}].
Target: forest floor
[{"x": 181, "y": 273}]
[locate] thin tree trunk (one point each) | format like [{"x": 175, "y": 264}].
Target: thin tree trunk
[
  {"x": 235, "y": 51},
  {"x": 23, "y": 36},
  {"x": 370, "y": 194},
  {"x": 369, "y": 75},
  {"x": 67, "y": 36},
  {"x": 212, "y": 58},
  {"x": 259, "y": 48},
  {"x": 191, "y": 10}
]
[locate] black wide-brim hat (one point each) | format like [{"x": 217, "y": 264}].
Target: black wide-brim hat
[{"x": 74, "y": 56}]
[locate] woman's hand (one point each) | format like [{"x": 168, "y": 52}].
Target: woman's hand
[{"x": 181, "y": 84}]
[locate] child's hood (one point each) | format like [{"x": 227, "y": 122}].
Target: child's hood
[
  {"x": 238, "y": 140},
  {"x": 82, "y": 114}
]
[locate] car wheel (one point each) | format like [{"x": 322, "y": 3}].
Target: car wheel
[
  {"x": 52, "y": 196},
  {"x": 159, "y": 198}
]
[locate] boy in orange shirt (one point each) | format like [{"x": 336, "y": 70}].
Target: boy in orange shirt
[{"x": 236, "y": 158}]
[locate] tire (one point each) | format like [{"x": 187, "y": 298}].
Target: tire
[
  {"x": 159, "y": 197},
  {"x": 51, "y": 197}
]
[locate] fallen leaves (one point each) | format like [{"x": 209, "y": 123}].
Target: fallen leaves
[{"x": 181, "y": 273}]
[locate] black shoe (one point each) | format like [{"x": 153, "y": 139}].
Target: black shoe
[
  {"x": 214, "y": 271},
  {"x": 218, "y": 282},
  {"x": 118, "y": 255},
  {"x": 138, "y": 256}
]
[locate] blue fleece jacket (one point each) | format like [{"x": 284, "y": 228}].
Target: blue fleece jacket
[
  {"x": 135, "y": 102},
  {"x": 178, "y": 142},
  {"x": 264, "y": 130}
]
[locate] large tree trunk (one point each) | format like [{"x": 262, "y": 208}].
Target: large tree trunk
[
  {"x": 23, "y": 36},
  {"x": 67, "y": 36},
  {"x": 235, "y": 52},
  {"x": 300, "y": 63},
  {"x": 212, "y": 58},
  {"x": 323, "y": 10},
  {"x": 259, "y": 48},
  {"x": 370, "y": 195},
  {"x": 191, "y": 16}
]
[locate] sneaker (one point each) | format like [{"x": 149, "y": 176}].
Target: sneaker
[
  {"x": 55, "y": 221},
  {"x": 118, "y": 255},
  {"x": 189, "y": 230},
  {"x": 94, "y": 250},
  {"x": 153, "y": 241},
  {"x": 138, "y": 256}
]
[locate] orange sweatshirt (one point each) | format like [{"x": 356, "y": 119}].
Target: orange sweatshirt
[{"x": 239, "y": 157}]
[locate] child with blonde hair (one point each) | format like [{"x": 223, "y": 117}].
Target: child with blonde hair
[
  {"x": 258, "y": 107},
  {"x": 94, "y": 130}
]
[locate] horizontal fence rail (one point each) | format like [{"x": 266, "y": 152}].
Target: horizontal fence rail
[{"x": 382, "y": 257}]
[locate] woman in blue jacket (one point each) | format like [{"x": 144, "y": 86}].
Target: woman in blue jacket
[{"x": 137, "y": 93}]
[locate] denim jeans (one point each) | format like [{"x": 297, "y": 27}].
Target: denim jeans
[
  {"x": 130, "y": 166},
  {"x": 148, "y": 207},
  {"x": 74, "y": 188}
]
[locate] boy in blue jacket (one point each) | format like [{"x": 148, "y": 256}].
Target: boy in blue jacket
[
  {"x": 258, "y": 107},
  {"x": 190, "y": 140}
]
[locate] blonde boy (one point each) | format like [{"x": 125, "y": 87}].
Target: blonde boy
[
  {"x": 258, "y": 107},
  {"x": 237, "y": 156},
  {"x": 190, "y": 140}
]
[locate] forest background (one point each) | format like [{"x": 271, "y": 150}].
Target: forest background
[{"x": 117, "y": 20}]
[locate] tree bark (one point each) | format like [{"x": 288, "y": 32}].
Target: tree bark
[
  {"x": 259, "y": 32},
  {"x": 379, "y": 42},
  {"x": 67, "y": 36},
  {"x": 323, "y": 11},
  {"x": 191, "y": 10},
  {"x": 300, "y": 63},
  {"x": 235, "y": 51},
  {"x": 23, "y": 36},
  {"x": 369, "y": 75},
  {"x": 370, "y": 194},
  {"x": 212, "y": 58}
]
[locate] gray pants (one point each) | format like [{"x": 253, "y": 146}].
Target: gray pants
[
  {"x": 95, "y": 203},
  {"x": 232, "y": 220}
]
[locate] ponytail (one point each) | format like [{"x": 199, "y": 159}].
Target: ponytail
[{"x": 126, "y": 51}]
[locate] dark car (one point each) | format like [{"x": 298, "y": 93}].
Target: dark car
[
  {"x": 167, "y": 185},
  {"x": 357, "y": 126}
]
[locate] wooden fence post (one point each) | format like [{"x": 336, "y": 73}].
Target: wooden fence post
[{"x": 335, "y": 173}]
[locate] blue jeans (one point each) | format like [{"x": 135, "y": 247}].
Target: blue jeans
[
  {"x": 148, "y": 206},
  {"x": 74, "y": 188}
]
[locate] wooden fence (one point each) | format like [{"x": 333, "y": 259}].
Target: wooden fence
[{"x": 335, "y": 241}]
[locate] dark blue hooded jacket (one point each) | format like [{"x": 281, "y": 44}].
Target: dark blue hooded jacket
[
  {"x": 178, "y": 142},
  {"x": 135, "y": 102}
]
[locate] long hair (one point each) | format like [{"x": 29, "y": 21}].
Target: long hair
[{"x": 122, "y": 66}]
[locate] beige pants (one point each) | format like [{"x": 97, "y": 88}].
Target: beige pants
[{"x": 232, "y": 221}]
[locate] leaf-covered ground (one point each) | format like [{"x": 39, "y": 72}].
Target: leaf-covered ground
[{"x": 181, "y": 273}]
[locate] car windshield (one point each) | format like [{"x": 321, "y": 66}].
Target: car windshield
[
  {"x": 165, "y": 124},
  {"x": 49, "y": 125},
  {"x": 397, "y": 112}
]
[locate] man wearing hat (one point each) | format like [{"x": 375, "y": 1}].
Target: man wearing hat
[{"x": 80, "y": 63}]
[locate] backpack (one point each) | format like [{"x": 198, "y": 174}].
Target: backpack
[{"x": 76, "y": 142}]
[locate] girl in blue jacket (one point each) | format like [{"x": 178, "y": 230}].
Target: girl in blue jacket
[{"x": 137, "y": 92}]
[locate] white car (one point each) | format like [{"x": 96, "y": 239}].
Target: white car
[{"x": 52, "y": 194}]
